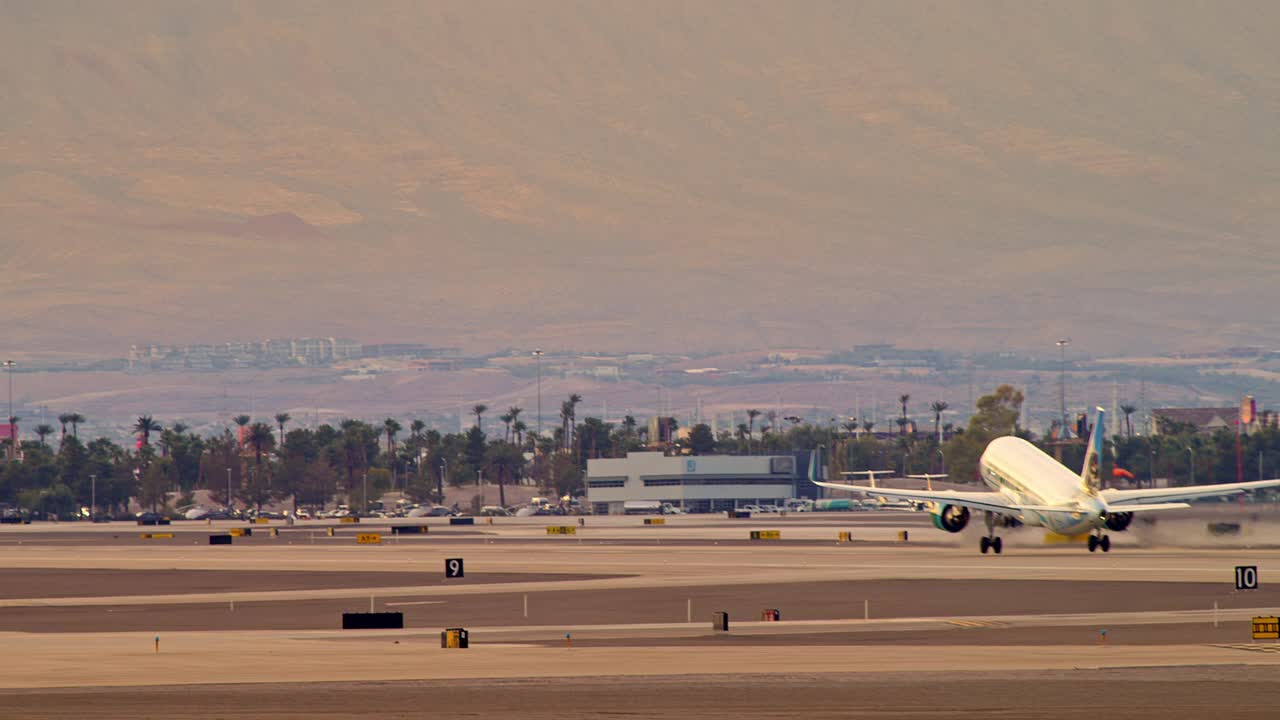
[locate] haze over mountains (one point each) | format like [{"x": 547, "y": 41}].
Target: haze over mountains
[{"x": 622, "y": 175}]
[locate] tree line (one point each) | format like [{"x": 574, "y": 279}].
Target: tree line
[{"x": 262, "y": 463}]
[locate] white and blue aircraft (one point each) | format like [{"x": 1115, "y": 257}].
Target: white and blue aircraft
[{"x": 1031, "y": 488}]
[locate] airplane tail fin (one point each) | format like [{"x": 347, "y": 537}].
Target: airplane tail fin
[
  {"x": 815, "y": 456},
  {"x": 1090, "y": 474}
]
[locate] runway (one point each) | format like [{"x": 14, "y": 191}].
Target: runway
[{"x": 636, "y": 602}]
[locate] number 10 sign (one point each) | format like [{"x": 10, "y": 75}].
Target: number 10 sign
[{"x": 1246, "y": 577}]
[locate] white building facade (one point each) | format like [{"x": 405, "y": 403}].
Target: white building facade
[{"x": 703, "y": 483}]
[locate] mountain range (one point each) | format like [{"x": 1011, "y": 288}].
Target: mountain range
[{"x": 679, "y": 176}]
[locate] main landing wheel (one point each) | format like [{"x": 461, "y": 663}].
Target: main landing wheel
[
  {"x": 1093, "y": 543},
  {"x": 984, "y": 545},
  {"x": 996, "y": 545},
  {"x": 1105, "y": 543}
]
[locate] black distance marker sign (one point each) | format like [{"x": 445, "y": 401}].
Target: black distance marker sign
[
  {"x": 453, "y": 568},
  {"x": 1246, "y": 577}
]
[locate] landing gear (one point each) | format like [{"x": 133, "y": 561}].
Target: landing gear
[
  {"x": 991, "y": 541},
  {"x": 1096, "y": 542}
]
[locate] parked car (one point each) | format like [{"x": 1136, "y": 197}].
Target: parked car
[{"x": 151, "y": 518}]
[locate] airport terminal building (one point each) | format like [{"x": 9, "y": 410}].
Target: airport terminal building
[{"x": 702, "y": 483}]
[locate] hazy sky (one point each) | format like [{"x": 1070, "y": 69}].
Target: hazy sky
[{"x": 620, "y": 175}]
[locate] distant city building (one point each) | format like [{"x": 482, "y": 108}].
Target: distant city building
[
  {"x": 660, "y": 429},
  {"x": 274, "y": 353},
  {"x": 701, "y": 483},
  {"x": 1204, "y": 420},
  {"x": 407, "y": 350}
]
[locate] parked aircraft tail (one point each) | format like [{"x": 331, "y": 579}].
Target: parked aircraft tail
[{"x": 1090, "y": 475}]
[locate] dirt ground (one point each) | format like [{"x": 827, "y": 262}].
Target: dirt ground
[
  {"x": 1224, "y": 693},
  {"x": 90, "y": 582},
  {"x": 796, "y": 601}
]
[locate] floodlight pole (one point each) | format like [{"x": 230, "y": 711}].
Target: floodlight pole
[
  {"x": 13, "y": 435},
  {"x": 1062, "y": 382}
]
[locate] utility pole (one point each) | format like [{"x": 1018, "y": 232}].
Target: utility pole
[
  {"x": 440, "y": 486},
  {"x": 537, "y": 353},
  {"x": 93, "y": 493},
  {"x": 228, "y": 491}
]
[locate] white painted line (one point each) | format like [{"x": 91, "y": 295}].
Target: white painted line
[{"x": 417, "y": 602}]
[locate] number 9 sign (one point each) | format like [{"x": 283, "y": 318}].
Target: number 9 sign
[{"x": 453, "y": 568}]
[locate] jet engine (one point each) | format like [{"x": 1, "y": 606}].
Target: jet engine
[
  {"x": 1119, "y": 521},
  {"x": 951, "y": 518}
]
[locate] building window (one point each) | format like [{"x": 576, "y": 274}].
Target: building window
[
  {"x": 736, "y": 481},
  {"x": 611, "y": 483}
]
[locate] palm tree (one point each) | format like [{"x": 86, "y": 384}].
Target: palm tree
[
  {"x": 144, "y": 427},
  {"x": 574, "y": 399},
  {"x": 259, "y": 437},
  {"x": 281, "y": 419},
  {"x": 752, "y": 414},
  {"x": 519, "y": 427},
  {"x": 629, "y": 425},
  {"x": 904, "y": 399},
  {"x": 415, "y": 429},
  {"x": 13, "y": 434},
  {"x": 391, "y": 427},
  {"x": 868, "y": 426},
  {"x": 179, "y": 428},
  {"x": 166, "y": 441},
  {"x": 242, "y": 421},
  {"x": 75, "y": 420},
  {"x": 43, "y": 431},
  {"x": 1128, "y": 411},
  {"x": 849, "y": 426},
  {"x": 64, "y": 418},
  {"x": 938, "y": 408},
  {"x": 566, "y": 416},
  {"x": 506, "y": 419},
  {"x": 479, "y": 409}
]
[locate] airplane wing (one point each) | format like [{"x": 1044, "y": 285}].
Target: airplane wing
[
  {"x": 1121, "y": 499},
  {"x": 1148, "y": 507},
  {"x": 995, "y": 502}
]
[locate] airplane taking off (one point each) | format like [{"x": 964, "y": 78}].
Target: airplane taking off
[{"x": 1033, "y": 489}]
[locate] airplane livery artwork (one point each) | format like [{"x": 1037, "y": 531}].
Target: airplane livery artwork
[{"x": 1028, "y": 487}]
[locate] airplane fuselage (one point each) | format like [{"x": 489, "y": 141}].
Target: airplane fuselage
[{"x": 1025, "y": 475}]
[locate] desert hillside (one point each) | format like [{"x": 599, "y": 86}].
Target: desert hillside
[{"x": 674, "y": 175}]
